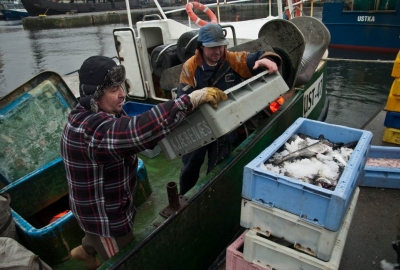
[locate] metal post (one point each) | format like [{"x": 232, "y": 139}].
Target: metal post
[
  {"x": 173, "y": 197},
  {"x": 312, "y": 8},
  {"x": 128, "y": 10},
  {"x": 187, "y": 2},
  {"x": 219, "y": 19},
  {"x": 290, "y": 6},
  {"x": 269, "y": 8}
]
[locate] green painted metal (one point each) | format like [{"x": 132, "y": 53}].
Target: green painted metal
[
  {"x": 29, "y": 138},
  {"x": 191, "y": 238},
  {"x": 363, "y": 5},
  {"x": 43, "y": 192},
  {"x": 194, "y": 236}
]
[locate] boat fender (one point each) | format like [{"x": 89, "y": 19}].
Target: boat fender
[
  {"x": 163, "y": 57},
  {"x": 194, "y": 18},
  {"x": 185, "y": 50}
]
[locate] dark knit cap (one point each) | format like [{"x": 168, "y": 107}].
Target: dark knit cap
[{"x": 95, "y": 75}]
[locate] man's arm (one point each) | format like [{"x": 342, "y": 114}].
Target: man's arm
[
  {"x": 250, "y": 64},
  {"x": 266, "y": 63}
]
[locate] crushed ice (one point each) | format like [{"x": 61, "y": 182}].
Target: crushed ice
[{"x": 323, "y": 169}]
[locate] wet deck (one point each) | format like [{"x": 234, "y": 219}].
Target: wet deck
[{"x": 374, "y": 223}]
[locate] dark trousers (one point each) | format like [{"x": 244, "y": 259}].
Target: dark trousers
[{"x": 217, "y": 152}]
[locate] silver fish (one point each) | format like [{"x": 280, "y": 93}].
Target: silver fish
[
  {"x": 322, "y": 181},
  {"x": 307, "y": 152}
]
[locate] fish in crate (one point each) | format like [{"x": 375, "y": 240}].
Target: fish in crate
[{"x": 316, "y": 161}]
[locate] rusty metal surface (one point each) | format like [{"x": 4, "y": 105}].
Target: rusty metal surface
[{"x": 168, "y": 210}]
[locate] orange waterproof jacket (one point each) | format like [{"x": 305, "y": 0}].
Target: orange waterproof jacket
[{"x": 196, "y": 74}]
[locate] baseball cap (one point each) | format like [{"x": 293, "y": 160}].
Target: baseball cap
[{"x": 211, "y": 35}]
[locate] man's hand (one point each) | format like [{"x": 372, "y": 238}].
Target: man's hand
[
  {"x": 211, "y": 95},
  {"x": 267, "y": 64}
]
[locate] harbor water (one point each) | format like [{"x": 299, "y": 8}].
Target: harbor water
[{"x": 356, "y": 90}]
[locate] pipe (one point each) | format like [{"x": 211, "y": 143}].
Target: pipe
[
  {"x": 219, "y": 18},
  {"x": 173, "y": 197},
  {"x": 128, "y": 10}
]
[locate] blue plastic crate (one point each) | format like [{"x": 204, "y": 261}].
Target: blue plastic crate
[
  {"x": 392, "y": 120},
  {"x": 135, "y": 108},
  {"x": 317, "y": 205},
  {"x": 383, "y": 177}
]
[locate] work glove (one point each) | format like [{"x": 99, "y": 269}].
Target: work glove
[{"x": 211, "y": 95}]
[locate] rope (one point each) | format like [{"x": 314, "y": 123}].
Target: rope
[{"x": 358, "y": 60}]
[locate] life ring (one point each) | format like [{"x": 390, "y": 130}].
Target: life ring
[
  {"x": 193, "y": 17},
  {"x": 297, "y": 11}
]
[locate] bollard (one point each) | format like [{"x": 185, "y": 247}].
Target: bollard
[
  {"x": 175, "y": 201},
  {"x": 173, "y": 197}
]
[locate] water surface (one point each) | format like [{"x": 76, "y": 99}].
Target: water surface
[{"x": 356, "y": 90}]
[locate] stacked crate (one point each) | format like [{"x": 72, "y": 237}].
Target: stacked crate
[
  {"x": 392, "y": 119},
  {"x": 292, "y": 224}
]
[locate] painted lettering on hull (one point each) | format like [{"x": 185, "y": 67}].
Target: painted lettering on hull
[
  {"x": 365, "y": 18},
  {"x": 190, "y": 136},
  {"x": 312, "y": 96}
]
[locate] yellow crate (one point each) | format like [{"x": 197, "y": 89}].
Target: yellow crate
[
  {"x": 393, "y": 101},
  {"x": 391, "y": 135},
  {"x": 396, "y": 67},
  {"x": 395, "y": 90}
]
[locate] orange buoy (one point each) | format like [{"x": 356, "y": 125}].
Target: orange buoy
[
  {"x": 194, "y": 18},
  {"x": 297, "y": 11}
]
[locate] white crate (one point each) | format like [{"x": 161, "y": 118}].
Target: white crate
[
  {"x": 307, "y": 237},
  {"x": 263, "y": 252},
  {"x": 207, "y": 124},
  {"x": 151, "y": 153}
]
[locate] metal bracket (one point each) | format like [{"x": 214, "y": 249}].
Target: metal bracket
[{"x": 168, "y": 210}]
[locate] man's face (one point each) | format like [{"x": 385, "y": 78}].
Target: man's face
[
  {"x": 213, "y": 54},
  {"x": 112, "y": 100}
]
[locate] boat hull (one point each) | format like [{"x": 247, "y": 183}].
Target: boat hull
[
  {"x": 376, "y": 30},
  {"x": 10, "y": 14},
  {"x": 38, "y": 7},
  {"x": 196, "y": 234}
]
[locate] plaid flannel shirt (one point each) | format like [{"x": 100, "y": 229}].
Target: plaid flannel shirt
[{"x": 99, "y": 155}]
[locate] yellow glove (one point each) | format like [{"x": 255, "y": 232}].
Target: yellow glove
[{"x": 211, "y": 95}]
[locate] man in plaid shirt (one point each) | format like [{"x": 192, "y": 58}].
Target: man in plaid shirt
[{"x": 99, "y": 146}]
